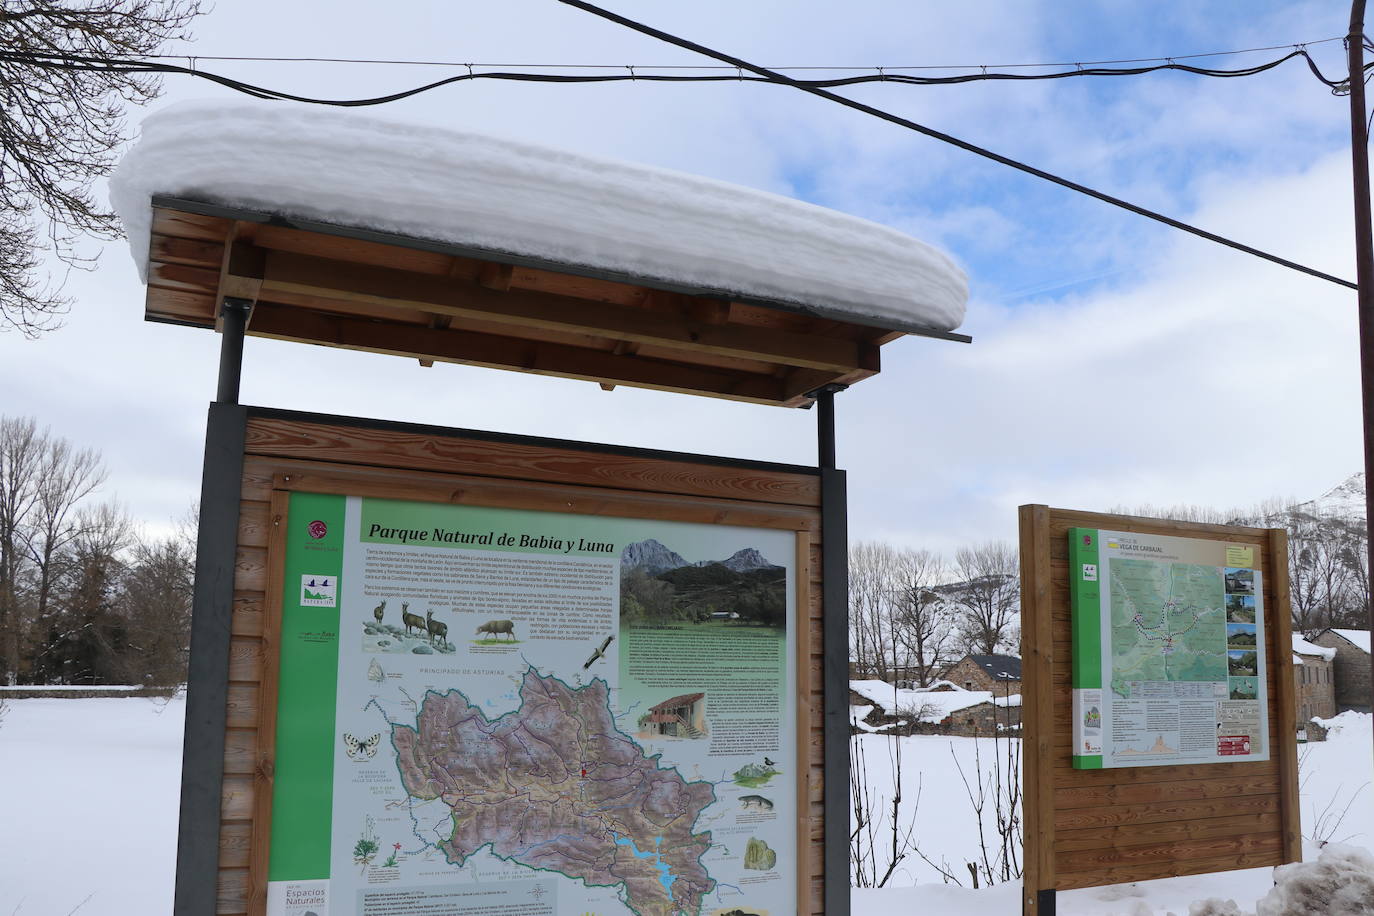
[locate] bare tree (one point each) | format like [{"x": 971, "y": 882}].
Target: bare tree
[
  {"x": 84, "y": 638},
  {"x": 990, "y": 593},
  {"x": 21, "y": 455},
  {"x": 61, "y": 126},
  {"x": 155, "y": 602},
  {"x": 65, "y": 477},
  {"x": 872, "y": 645},
  {"x": 924, "y": 629}
]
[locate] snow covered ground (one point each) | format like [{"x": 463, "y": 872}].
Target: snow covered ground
[
  {"x": 88, "y": 804},
  {"x": 88, "y": 791}
]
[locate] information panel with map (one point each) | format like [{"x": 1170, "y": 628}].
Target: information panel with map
[
  {"x": 1168, "y": 651},
  {"x": 492, "y": 712}
]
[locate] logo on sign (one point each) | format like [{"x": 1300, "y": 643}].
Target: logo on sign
[
  {"x": 317, "y": 529},
  {"x": 1087, "y": 540},
  {"x": 1089, "y": 572},
  {"x": 1233, "y": 745},
  {"x": 319, "y": 591}
]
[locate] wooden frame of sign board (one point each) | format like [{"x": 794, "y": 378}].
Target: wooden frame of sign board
[
  {"x": 281, "y": 452},
  {"x": 1091, "y": 827}
]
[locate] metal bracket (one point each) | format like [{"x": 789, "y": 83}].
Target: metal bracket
[
  {"x": 233, "y": 322},
  {"x": 828, "y": 388}
]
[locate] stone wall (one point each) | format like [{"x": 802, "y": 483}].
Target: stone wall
[
  {"x": 1315, "y": 685},
  {"x": 970, "y": 675},
  {"x": 1352, "y": 674}
]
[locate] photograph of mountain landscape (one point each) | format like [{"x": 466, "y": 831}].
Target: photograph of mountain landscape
[{"x": 659, "y": 587}]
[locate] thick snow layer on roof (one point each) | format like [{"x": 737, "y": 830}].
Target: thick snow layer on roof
[
  {"x": 1358, "y": 637},
  {"x": 473, "y": 189},
  {"x": 927, "y": 705},
  {"x": 1304, "y": 647}
]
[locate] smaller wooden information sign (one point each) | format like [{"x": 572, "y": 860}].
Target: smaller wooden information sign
[{"x": 1160, "y": 735}]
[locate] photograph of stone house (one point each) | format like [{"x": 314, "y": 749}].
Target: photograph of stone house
[{"x": 680, "y": 717}]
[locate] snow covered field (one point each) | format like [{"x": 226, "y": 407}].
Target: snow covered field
[{"x": 88, "y": 791}]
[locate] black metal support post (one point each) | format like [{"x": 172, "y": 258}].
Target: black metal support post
[
  {"x": 202, "y": 757},
  {"x": 235, "y": 321},
  {"x": 825, "y": 422},
  {"x": 835, "y": 667},
  {"x": 835, "y": 673},
  {"x": 1364, "y": 261}
]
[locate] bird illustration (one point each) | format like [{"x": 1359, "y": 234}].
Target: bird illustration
[
  {"x": 598, "y": 653},
  {"x": 767, "y": 762}
]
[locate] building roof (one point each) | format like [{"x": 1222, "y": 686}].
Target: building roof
[
  {"x": 999, "y": 667},
  {"x": 927, "y": 705},
  {"x": 687, "y": 699},
  {"x": 1303, "y": 647},
  {"x": 1358, "y": 638},
  {"x": 456, "y": 246}
]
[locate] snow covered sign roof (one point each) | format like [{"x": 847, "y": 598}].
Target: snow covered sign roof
[{"x": 457, "y": 246}]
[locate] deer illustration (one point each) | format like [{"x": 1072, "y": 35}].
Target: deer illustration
[
  {"x": 436, "y": 628},
  {"x": 377, "y": 612},
  {"x": 411, "y": 620}
]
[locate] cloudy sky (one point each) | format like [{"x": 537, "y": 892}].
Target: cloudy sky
[{"x": 1115, "y": 362}]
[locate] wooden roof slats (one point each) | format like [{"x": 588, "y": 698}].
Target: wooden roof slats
[{"x": 361, "y": 294}]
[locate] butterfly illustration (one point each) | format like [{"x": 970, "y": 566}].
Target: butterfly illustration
[{"x": 364, "y": 749}]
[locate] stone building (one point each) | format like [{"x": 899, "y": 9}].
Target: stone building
[
  {"x": 1314, "y": 680},
  {"x": 999, "y": 674},
  {"x": 942, "y": 709},
  {"x": 1352, "y": 674}
]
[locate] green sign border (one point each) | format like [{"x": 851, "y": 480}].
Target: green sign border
[{"x": 1085, "y": 603}]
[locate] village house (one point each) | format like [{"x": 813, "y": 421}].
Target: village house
[
  {"x": 999, "y": 674},
  {"x": 1352, "y": 674},
  {"x": 943, "y": 708},
  {"x": 1313, "y": 681},
  {"x": 681, "y": 717}
]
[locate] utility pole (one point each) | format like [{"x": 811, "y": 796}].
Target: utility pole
[{"x": 1364, "y": 263}]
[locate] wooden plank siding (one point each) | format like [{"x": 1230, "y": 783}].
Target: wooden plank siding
[
  {"x": 284, "y": 455},
  {"x": 1086, "y": 828},
  {"x": 326, "y": 287}
]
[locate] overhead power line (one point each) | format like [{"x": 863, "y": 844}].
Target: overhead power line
[
  {"x": 1164, "y": 59},
  {"x": 757, "y": 74},
  {"x": 673, "y": 73},
  {"x": 774, "y": 76}
]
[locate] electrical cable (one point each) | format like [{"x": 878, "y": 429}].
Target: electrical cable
[
  {"x": 70, "y": 61},
  {"x": 952, "y": 140},
  {"x": 636, "y": 72},
  {"x": 442, "y": 63}
]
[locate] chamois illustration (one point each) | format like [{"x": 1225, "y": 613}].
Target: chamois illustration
[
  {"x": 411, "y": 620},
  {"x": 493, "y": 627},
  {"x": 377, "y": 612},
  {"x": 436, "y": 628}
]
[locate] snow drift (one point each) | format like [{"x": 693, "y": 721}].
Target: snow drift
[{"x": 507, "y": 196}]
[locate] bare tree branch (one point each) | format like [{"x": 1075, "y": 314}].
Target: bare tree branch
[{"x": 61, "y": 130}]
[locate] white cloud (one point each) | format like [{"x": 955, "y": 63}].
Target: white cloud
[
  {"x": 1219, "y": 381},
  {"x": 1244, "y": 375}
]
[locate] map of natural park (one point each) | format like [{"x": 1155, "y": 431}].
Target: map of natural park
[
  {"x": 1168, "y": 623},
  {"x": 556, "y": 786}
]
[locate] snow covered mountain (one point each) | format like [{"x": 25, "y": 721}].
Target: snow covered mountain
[{"x": 1345, "y": 500}]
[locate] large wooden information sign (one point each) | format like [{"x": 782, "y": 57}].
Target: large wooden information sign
[
  {"x": 1160, "y": 737},
  {"x": 470, "y": 672}
]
